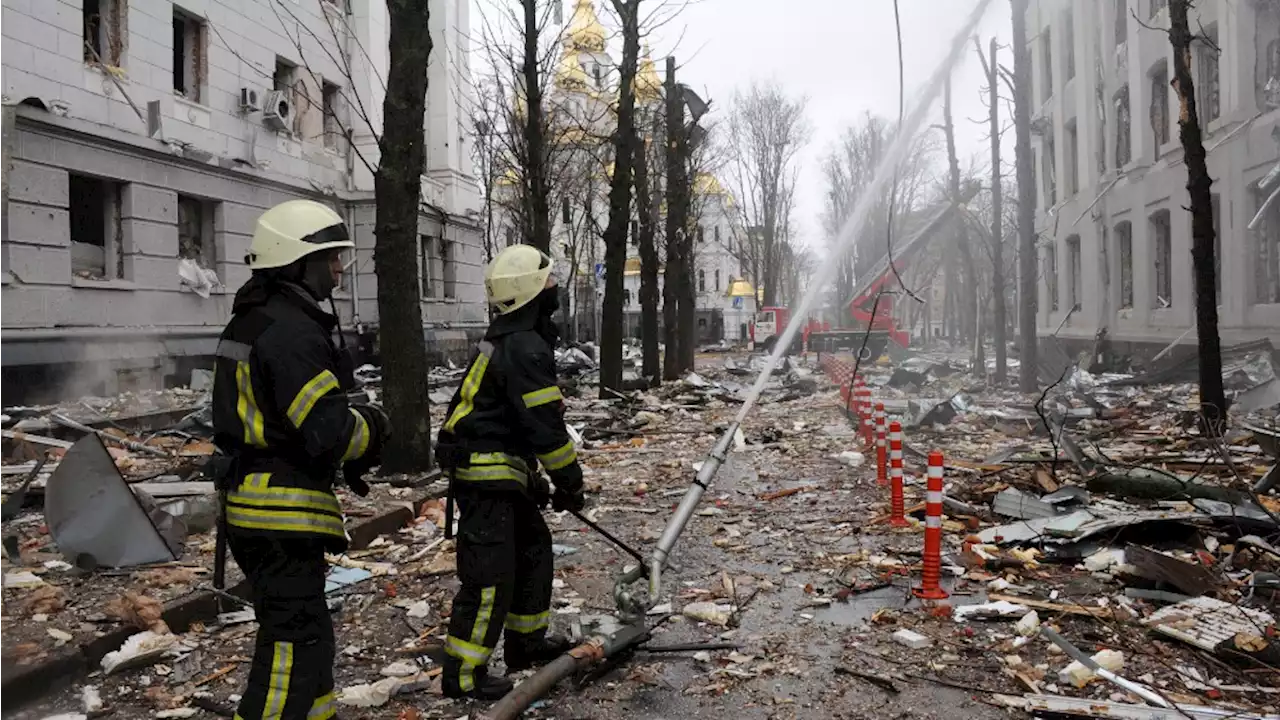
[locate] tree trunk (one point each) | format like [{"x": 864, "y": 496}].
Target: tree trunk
[
  {"x": 688, "y": 312},
  {"x": 398, "y": 186},
  {"x": 612, "y": 325},
  {"x": 997, "y": 225},
  {"x": 648, "y": 212},
  {"x": 1213, "y": 402},
  {"x": 676, "y": 229},
  {"x": 967, "y": 309},
  {"x": 1027, "y": 301},
  {"x": 535, "y": 136}
]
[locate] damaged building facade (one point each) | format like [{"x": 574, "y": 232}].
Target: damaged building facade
[
  {"x": 1115, "y": 237},
  {"x": 144, "y": 137}
]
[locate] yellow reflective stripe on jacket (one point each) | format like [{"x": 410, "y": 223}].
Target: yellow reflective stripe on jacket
[
  {"x": 470, "y": 386},
  {"x": 284, "y": 521},
  {"x": 247, "y": 408},
  {"x": 306, "y": 399},
  {"x": 561, "y": 457},
  {"x": 256, "y": 480},
  {"x": 499, "y": 458},
  {"x": 526, "y": 624},
  {"x": 278, "y": 682},
  {"x": 359, "y": 441},
  {"x": 323, "y": 708},
  {"x": 542, "y": 397},
  {"x": 487, "y": 473},
  {"x": 285, "y": 498}
]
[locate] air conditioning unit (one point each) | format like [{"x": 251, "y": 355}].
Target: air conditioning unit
[
  {"x": 277, "y": 110},
  {"x": 249, "y": 100}
]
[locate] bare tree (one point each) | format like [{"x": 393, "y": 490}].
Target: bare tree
[
  {"x": 1213, "y": 402},
  {"x": 848, "y": 170},
  {"x": 967, "y": 288},
  {"x": 615, "y": 235},
  {"x": 398, "y": 187},
  {"x": 1027, "y": 300},
  {"x": 766, "y": 132},
  {"x": 535, "y": 130},
  {"x": 647, "y": 210},
  {"x": 991, "y": 68}
]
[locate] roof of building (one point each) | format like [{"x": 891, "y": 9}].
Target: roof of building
[
  {"x": 585, "y": 33},
  {"x": 648, "y": 84}
]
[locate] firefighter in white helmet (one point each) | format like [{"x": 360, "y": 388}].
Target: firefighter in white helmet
[
  {"x": 281, "y": 413},
  {"x": 506, "y": 419}
]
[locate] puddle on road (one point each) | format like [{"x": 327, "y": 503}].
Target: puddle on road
[{"x": 859, "y": 608}]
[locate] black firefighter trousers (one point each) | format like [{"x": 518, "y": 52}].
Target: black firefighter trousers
[
  {"x": 505, "y": 564},
  {"x": 291, "y": 677}
]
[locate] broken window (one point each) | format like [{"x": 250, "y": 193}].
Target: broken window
[
  {"x": 188, "y": 55},
  {"x": 449, "y": 268},
  {"x": 103, "y": 23},
  {"x": 334, "y": 116},
  {"x": 285, "y": 79},
  {"x": 195, "y": 230},
  {"x": 1046, "y": 66},
  {"x": 429, "y": 273},
  {"x": 1069, "y": 40},
  {"x": 1073, "y": 266},
  {"x": 1266, "y": 238},
  {"x": 1208, "y": 95},
  {"x": 1124, "y": 152},
  {"x": 1162, "y": 252},
  {"x": 95, "y": 228},
  {"x": 702, "y": 281},
  {"x": 1160, "y": 105},
  {"x": 1122, "y": 21},
  {"x": 1073, "y": 160},
  {"x": 1124, "y": 247},
  {"x": 1051, "y": 275}
]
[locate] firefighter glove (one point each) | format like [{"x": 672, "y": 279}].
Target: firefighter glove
[
  {"x": 572, "y": 501},
  {"x": 379, "y": 426}
]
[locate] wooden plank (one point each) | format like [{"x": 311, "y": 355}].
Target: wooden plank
[
  {"x": 1190, "y": 578},
  {"x": 1096, "y": 612}
]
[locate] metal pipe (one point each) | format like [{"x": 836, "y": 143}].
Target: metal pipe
[{"x": 706, "y": 473}]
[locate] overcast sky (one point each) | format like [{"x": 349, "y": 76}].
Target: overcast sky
[{"x": 839, "y": 54}]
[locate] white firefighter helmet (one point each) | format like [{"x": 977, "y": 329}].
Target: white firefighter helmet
[
  {"x": 294, "y": 229},
  {"x": 515, "y": 277}
]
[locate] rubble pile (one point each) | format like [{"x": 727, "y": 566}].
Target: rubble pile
[{"x": 1100, "y": 554}]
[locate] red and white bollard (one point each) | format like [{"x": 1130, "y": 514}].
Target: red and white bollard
[
  {"x": 855, "y": 405},
  {"x": 931, "y": 588},
  {"x": 882, "y": 471},
  {"x": 897, "y": 504},
  {"x": 868, "y": 421}
]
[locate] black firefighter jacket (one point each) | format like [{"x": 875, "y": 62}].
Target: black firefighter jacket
[
  {"x": 281, "y": 411},
  {"x": 508, "y": 412}
]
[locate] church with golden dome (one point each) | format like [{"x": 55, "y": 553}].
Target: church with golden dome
[{"x": 581, "y": 104}]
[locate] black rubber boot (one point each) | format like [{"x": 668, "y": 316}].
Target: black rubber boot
[
  {"x": 525, "y": 655},
  {"x": 487, "y": 688}
]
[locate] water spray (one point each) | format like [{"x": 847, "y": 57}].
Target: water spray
[
  {"x": 607, "y": 636},
  {"x": 845, "y": 240}
]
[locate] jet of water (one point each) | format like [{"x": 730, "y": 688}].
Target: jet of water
[
  {"x": 853, "y": 224},
  {"x": 921, "y": 103}
]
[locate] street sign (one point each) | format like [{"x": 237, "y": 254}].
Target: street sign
[
  {"x": 599, "y": 271},
  {"x": 737, "y": 303}
]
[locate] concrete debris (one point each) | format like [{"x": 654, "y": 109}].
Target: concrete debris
[
  {"x": 790, "y": 545},
  {"x": 1078, "y": 675}
]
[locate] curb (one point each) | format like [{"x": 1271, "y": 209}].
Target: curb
[{"x": 23, "y": 685}]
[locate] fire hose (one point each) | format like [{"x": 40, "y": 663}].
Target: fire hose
[{"x": 629, "y": 627}]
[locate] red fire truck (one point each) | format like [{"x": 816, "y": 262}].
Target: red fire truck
[{"x": 864, "y": 309}]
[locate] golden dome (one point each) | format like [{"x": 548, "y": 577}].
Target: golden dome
[
  {"x": 741, "y": 288},
  {"x": 707, "y": 184},
  {"x": 585, "y": 33},
  {"x": 648, "y": 84},
  {"x": 632, "y": 266},
  {"x": 569, "y": 73}
]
